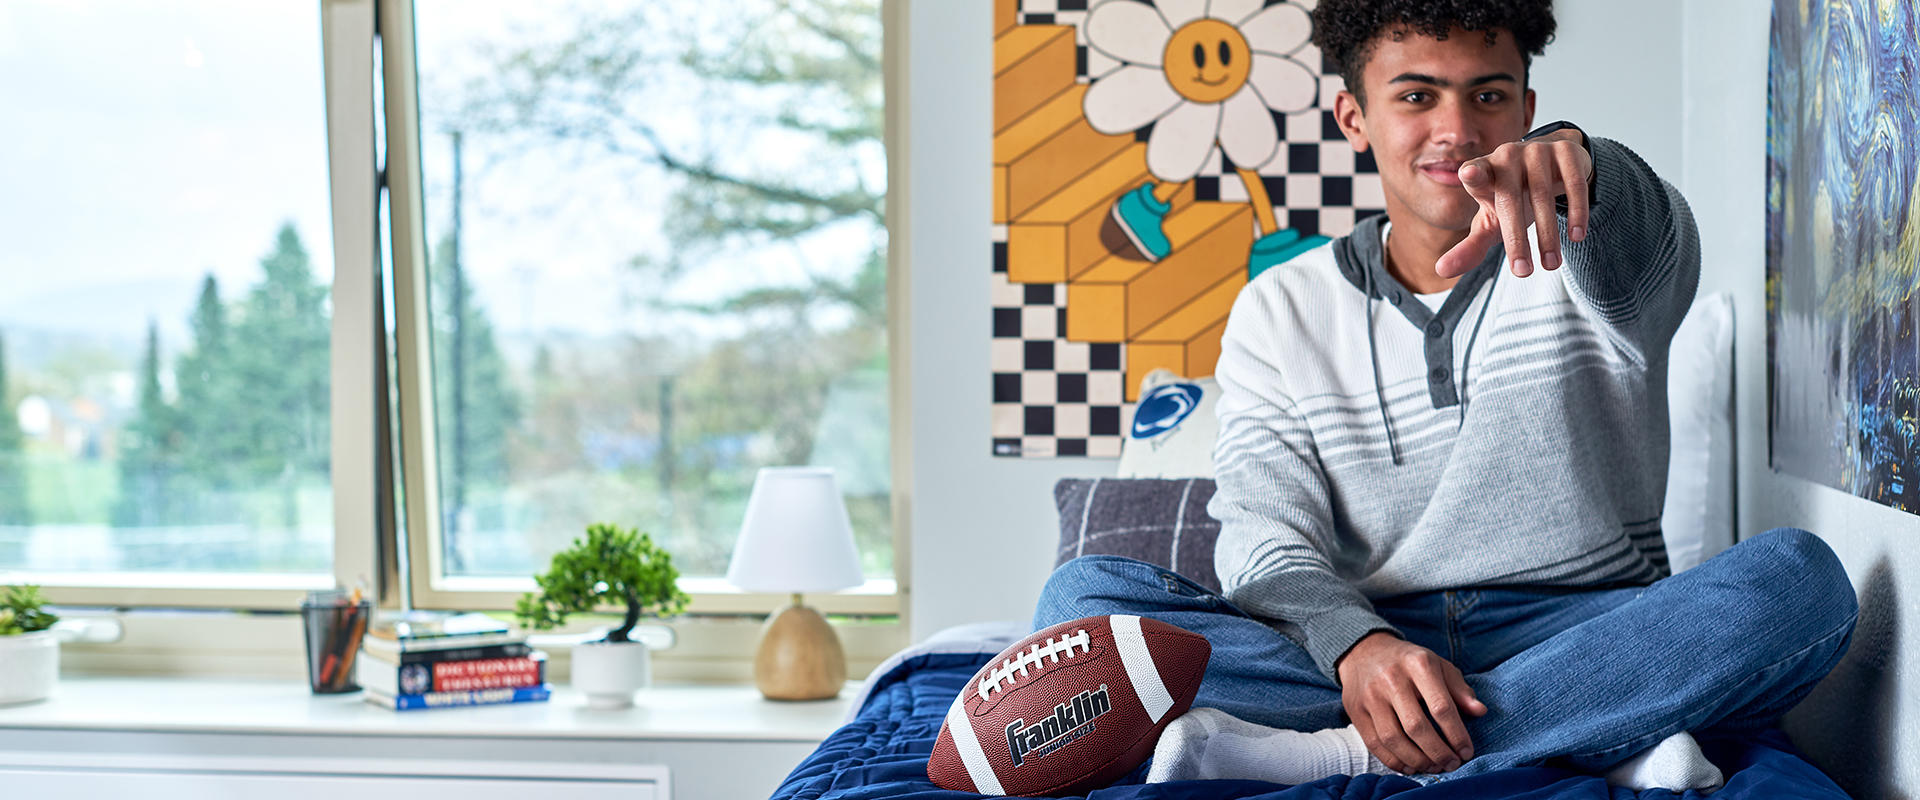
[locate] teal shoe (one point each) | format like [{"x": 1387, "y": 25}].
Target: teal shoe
[
  {"x": 1278, "y": 248},
  {"x": 1141, "y": 218}
]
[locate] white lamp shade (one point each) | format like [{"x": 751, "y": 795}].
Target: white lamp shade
[{"x": 796, "y": 537}]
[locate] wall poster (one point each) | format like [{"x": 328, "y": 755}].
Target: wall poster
[
  {"x": 1149, "y": 157},
  {"x": 1843, "y": 236}
]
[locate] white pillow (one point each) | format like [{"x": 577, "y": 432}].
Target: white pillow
[
  {"x": 1698, "y": 518},
  {"x": 1171, "y": 431}
]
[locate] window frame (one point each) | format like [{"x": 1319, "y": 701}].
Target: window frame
[
  {"x": 371, "y": 547},
  {"x": 346, "y": 44}
]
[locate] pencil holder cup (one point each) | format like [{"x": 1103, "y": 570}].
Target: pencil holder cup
[{"x": 333, "y": 640}]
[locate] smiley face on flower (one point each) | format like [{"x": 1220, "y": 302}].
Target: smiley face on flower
[
  {"x": 1203, "y": 73},
  {"x": 1219, "y": 63}
]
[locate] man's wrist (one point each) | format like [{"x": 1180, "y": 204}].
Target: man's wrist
[{"x": 1358, "y": 645}]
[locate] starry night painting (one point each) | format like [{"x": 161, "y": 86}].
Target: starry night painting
[{"x": 1843, "y": 238}]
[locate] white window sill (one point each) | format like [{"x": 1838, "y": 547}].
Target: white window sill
[
  {"x": 221, "y": 646},
  {"x": 248, "y": 706}
]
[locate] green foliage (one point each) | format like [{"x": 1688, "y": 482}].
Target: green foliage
[
  {"x": 22, "y": 610},
  {"x": 612, "y": 565},
  {"x": 782, "y": 150},
  {"x": 150, "y": 493},
  {"x": 209, "y": 392},
  {"x": 251, "y": 415},
  {"x": 14, "y": 506},
  {"x": 282, "y": 362},
  {"x": 62, "y": 490},
  {"x": 479, "y": 413}
]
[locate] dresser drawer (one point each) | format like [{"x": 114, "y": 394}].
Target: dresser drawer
[{"x": 295, "y": 778}]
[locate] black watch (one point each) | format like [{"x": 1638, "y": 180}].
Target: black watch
[
  {"x": 1561, "y": 125},
  {"x": 1593, "y": 196}
]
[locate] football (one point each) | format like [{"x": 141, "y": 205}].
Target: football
[{"x": 1068, "y": 709}]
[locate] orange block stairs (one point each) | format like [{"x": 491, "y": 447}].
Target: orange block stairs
[{"x": 1054, "y": 183}]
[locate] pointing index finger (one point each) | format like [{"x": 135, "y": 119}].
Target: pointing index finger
[
  {"x": 1477, "y": 179},
  {"x": 1511, "y": 210},
  {"x": 1574, "y": 174}
]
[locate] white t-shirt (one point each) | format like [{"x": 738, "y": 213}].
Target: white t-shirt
[{"x": 1432, "y": 301}]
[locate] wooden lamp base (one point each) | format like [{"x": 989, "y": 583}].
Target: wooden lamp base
[{"x": 800, "y": 657}]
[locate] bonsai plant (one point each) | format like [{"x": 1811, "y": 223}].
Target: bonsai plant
[
  {"x": 29, "y": 653},
  {"x": 610, "y": 566},
  {"x": 22, "y": 610}
]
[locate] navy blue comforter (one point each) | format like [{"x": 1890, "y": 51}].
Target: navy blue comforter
[{"x": 883, "y": 754}]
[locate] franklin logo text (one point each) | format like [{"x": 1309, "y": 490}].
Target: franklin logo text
[{"x": 1067, "y": 724}]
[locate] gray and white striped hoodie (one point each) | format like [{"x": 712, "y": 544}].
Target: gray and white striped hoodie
[{"x": 1371, "y": 446}]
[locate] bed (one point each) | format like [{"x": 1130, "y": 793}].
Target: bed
[
  {"x": 1154, "y": 510},
  {"x": 882, "y": 751}
]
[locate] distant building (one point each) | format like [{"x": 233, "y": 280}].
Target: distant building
[{"x": 82, "y": 428}]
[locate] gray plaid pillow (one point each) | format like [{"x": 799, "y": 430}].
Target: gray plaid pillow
[{"x": 1159, "y": 521}]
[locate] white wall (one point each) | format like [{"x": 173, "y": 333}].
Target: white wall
[
  {"x": 1612, "y": 69},
  {"x": 983, "y": 527},
  {"x": 1863, "y": 724}
]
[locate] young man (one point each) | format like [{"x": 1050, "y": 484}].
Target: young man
[{"x": 1441, "y": 464}]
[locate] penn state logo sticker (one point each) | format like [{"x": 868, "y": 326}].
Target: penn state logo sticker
[{"x": 1164, "y": 408}]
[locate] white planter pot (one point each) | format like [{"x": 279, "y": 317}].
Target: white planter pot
[
  {"x": 608, "y": 673},
  {"x": 29, "y": 664}
]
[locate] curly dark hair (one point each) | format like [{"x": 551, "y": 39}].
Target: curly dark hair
[{"x": 1347, "y": 30}]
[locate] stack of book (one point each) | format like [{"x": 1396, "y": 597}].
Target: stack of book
[{"x": 442, "y": 661}]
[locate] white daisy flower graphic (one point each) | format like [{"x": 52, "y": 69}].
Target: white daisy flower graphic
[{"x": 1202, "y": 72}]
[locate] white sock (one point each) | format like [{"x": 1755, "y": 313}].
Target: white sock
[
  {"x": 1675, "y": 763},
  {"x": 1209, "y": 743}
]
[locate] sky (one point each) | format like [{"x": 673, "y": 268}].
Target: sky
[
  {"x": 151, "y": 143},
  {"x": 147, "y": 145}
]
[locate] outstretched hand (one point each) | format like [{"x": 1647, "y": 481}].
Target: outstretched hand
[{"x": 1516, "y": 184}]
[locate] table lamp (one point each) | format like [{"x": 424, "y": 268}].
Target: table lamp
[{"x": 796, "y": 539}]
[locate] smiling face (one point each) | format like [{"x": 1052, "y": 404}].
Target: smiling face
[
  {"x": 1432, "y": 104},
  {"x": 1207, "y": 60}
]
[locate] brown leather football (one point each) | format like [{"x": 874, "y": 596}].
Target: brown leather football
[{"x": 1069, "y": 709}]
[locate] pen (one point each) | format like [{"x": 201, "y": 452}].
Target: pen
[{"x": 359, "y": 630}]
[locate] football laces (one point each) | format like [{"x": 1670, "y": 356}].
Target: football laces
[{"x": 1003, "y": 676}]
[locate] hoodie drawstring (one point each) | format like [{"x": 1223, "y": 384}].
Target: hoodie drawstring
[
  {"x": 1466, "y": 360},
  {"x": 1379, "y": 392},
  {"x": 1467, "y": 357}
]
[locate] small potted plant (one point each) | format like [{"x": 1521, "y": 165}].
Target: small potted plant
[
  {"x": 610, "y": 566},
  {"x": 29, "y": 651}
]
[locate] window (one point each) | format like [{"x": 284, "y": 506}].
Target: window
[
  {"x": 168, "y": 263},
  {"x": 656, "y": 262},
  {"x": 638, "y": 250}
]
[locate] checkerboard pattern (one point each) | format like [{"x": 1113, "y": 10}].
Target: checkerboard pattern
[
  {"x": 1051, "y": 397},
  {"x": 1055, "y": 398}
]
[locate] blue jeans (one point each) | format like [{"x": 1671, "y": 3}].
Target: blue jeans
[{"x": 1576, "y": 678}]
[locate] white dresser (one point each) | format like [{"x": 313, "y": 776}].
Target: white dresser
[{"x": 166, "y": 738}]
